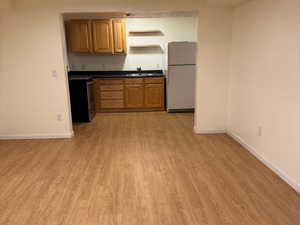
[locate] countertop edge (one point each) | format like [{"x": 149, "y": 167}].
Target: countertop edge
[{"x": 89, "y": 75}]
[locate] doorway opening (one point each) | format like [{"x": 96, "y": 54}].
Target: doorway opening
[{"x": 130, "y": 62}]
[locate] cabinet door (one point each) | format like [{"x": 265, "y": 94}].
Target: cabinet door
[
  {"x": 154, "y": 95},
  {"x": 119, "y": 36},
  {"x": 134, "y": 96},
  {"x": 103, "y": 36},
  {"x": 97, "y": 94},
  {"x": 80, "y": 36}
]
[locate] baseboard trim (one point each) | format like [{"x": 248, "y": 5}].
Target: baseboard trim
[
  {"x": 37, "y": 136},
  {"x": 181, "y": 110},
  {"x": 198, "y": 131},
  {"x": 279, "y": 172}
]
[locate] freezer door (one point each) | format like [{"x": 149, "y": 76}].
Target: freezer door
[
  {"x": 182, "y": 53},
  {"x": 181, "y": 87}
]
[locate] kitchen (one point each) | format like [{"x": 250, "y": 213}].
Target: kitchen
[{"x": 130, "y": 62}]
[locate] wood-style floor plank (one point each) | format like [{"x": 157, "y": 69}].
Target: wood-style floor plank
[{"x": 140, "y": 169}]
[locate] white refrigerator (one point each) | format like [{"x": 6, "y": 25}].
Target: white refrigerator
[{"x": 181, "y": 76}]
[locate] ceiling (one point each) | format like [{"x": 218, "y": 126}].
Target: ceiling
[
  {"x": 224, "y": 2},
  {"x": 99, "y": 15},
  {"x": 155, "y": 14}
]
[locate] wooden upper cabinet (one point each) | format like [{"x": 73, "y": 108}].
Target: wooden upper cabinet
[
  {"x": 119, "y": 31},
  {"x": 154, "y": 95},
  {"x": 81, "y": 36},
  {"x": 98, "y": 36},
  {"x": 134, "y": 96},
  {"x": 103, "y": 36}
]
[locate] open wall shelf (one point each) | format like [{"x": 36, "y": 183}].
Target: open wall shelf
[
  {"x": 145, "y": 32},
  {"x": 145, "y": 46}
]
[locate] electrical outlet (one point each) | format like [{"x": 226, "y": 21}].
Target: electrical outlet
[
  {"x": 54, "y": 73},
  {"x": 259, "y": 131},
  {"x": 59, "y": 117}
]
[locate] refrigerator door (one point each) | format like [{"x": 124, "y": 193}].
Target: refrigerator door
[
  {"x": 181, "y": 87},
  {"x": 182, "y": 53}
]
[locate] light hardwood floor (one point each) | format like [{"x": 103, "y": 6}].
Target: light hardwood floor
[{"x": 140, "y": 169}]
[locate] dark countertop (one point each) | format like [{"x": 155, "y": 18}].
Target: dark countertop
[
  {"x": 88, "y": 75},
  {"x": 80, "y": 77}
]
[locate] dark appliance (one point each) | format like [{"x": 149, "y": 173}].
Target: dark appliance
[{"x": 82, "y": 99}]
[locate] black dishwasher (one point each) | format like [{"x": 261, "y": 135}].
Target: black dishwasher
[{"x": 82, "y": 98}]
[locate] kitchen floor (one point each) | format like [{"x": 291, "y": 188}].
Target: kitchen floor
[{"x": 140, "y": 169}]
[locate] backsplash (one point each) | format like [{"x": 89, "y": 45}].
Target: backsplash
[{"x": 115, "y": 62}]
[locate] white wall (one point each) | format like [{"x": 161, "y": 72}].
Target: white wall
[
  {"x": 173, "y": 29},
  {"x": 265, "y": 82},
  {"x": 31, "y": 98},
  {"x": 2, "y": 10},
  {"x": 32, "y": 46},
  {"x": 214, "y": 43}
]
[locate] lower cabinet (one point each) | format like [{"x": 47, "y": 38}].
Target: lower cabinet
[
  {"x": 153, "y": 95},
  {"x": 129, "y": 94},
  {"x": 134, "y": 96},
  {"x": 112, "y": 104}
]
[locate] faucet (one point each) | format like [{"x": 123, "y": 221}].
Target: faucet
[{"x": 139, "y": 69}]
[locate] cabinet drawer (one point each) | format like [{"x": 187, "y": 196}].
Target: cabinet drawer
[
  {"x": 112, "y": 104},
  {"x": 111, "y": 81},
  {"x": 111, "y": 87},
  {"x": 134, "y": 80},
  {"x": 154, "y": 80},
  {"x": 112, "y": 95}
]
